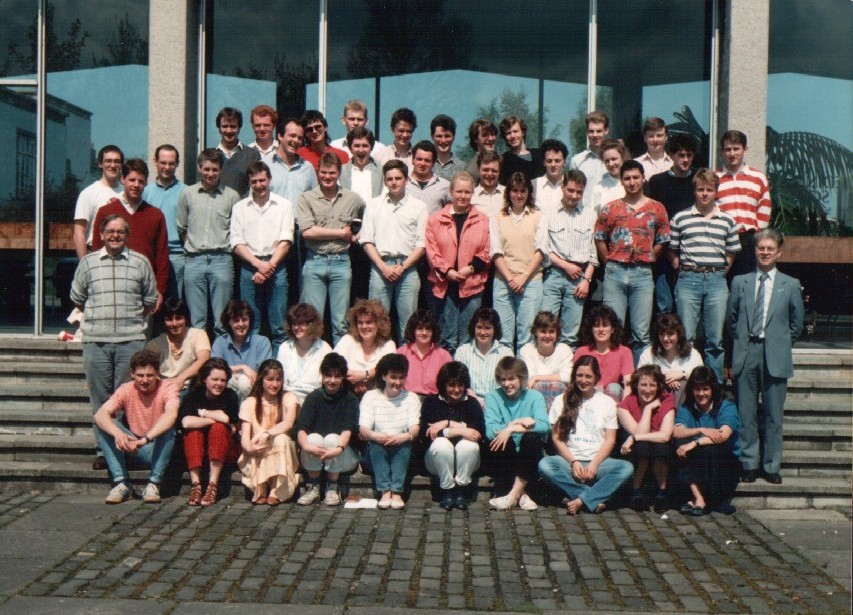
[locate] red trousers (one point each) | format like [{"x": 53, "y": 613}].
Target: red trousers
[{"x": 220, "y": 445}]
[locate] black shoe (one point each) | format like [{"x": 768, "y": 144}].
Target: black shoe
[
  {"x": 460, "y": 501},
  {"x": 661, "y": 505},
  {"x": 773, "y": 478},
  {"x": 749, "y": 476},
  {"x": 99, "y": 463},
  {"x": 447, "y": 501},
  {"x": 725, "y": 508},
  {"x": 638, "y": 501}
]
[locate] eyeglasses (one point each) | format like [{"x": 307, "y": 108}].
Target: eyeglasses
[
  {"x": 314, "y": 128},
  {"x": 119, "y": 233}
]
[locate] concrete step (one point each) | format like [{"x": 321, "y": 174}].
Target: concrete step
[
  {"x": 39, "y": 349},
  {"x": 817, "y": 406},
  {"x": 37, "y": 372},
  {"x": 29, "y": 447},
  {"x": 795, "y": 492},
  {"x": 803, "y": 433},
  {"x": 817, "y": 463},
  {"x": 63, "y": 420},
  {"x": 43, "y": 397}
]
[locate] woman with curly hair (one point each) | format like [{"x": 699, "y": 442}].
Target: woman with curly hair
[
  {"x": 208, "y": 417},
  {"x": 303, "y": 350},
  {"x": 584, "y": 433},
  {"x": 268, "y": 462},
  {"x": 672, "y": 353},
  {"x": 425, "y": 356},
  {"x": 647, "y": 415},
  {"x": 601, "y": 337},
  {"x": 368, "y": 340}
]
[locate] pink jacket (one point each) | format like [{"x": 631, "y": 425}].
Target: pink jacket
[{"x": 442, "y": 250}]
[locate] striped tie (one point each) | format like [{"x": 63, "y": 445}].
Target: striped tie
[{"x": 758, "y": 322}]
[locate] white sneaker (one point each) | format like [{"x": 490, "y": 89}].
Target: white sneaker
[
  {"x": 151, "y": 495},
  {"x": 333, "y": 498},
  {"x": 118, "y": 494},
  {"x": 311, "y": 495},
  {"x": 525, "y": 503},
  {"x": 502, "y": 503}
]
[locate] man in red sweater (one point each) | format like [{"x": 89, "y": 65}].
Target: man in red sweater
[{"x": 148, "y": 234}]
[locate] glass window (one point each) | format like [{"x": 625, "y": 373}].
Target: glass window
[
  {"x": 465, "y": 59},
  {"x": 654, "y": 61},
  {"x": 809, "y": 106},
  {"x": 260, "y": 52}
]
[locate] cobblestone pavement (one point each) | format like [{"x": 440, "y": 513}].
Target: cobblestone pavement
[{"x": 425, "y": 558}]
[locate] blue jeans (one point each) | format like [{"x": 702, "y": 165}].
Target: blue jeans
[
  {"x": 611, "y": 474},
  {"x": 107, "y": 365},
  {"x": 454, "y": 314},
  {"x": 390, "y": 465},
  {"x": 705, "y": 293},
  {"x": 175, "y": 286},
  {"x": 155, "y": 454},
  {"x": 558, "y": 298},
  {"x": 631, "y": 289},
  {"x": 268, "y": 299},
  {"x": 403, "y": 293},
  {"x": 516, "y": 311},
  {"x": 663, "y": 290},
  {"x": 330, "y": 274},
  {"x": 208, "y": 277}
]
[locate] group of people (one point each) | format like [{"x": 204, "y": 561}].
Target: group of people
[{"x": 479, "y": 262}]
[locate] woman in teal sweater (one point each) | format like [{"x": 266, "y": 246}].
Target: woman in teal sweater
[{"x": 516, "y": 428}]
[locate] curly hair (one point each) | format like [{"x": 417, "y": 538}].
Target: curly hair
[
  {"x": 307, "y": 314},
  {"x": 371, "y": 308},
  {"x": 648, "y": 371},
  {"x": 572, "y": 398},
  {"x": 422, "y": 319},
  {"x": 454, "y": 371},
  {"x": 601, "y": 313},
  {"x": 670, "y": 323}
]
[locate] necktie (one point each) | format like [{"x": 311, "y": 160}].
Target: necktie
[{"x": 758, "y": 322}]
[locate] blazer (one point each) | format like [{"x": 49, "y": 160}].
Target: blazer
[{"x": 783, "y": 326}]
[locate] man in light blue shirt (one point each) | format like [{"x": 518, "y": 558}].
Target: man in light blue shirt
[
  {"x": 163, "y": 194},
  {"x": 291, "y": 174}
]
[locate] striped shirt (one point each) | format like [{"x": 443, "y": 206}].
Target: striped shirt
[
  {"x": 114, "y": 292},
  {"x": 702, "y": 242},
  {"x": 392, "y": 416},
  {"x": 482, "y": 366},
  {"x": 745, "y": 195},
  {"x": 570, "y": 233}
]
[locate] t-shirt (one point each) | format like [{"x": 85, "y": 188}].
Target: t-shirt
[
  {"x": 613, "y": 365},
  {"x": 353, "y": 352},
  {"x": 560, "y": 361},
  {"x": 327, "y": 414},
  {"x": 174, "y": 362},
  {"x": 389, "y": 415},
  {"x": 595, "y": 416},
  {"x": 632, "y": 405},
  {"x": 302, "y": 374},
  {"x": 197, "y": 399},
  {"x": 141, "y": 411},
  {"x": 90, "y": 200}
]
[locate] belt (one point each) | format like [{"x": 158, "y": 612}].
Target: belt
[
  {"x": 701, "y": 269},
  {"x": 631, "y": 264}
]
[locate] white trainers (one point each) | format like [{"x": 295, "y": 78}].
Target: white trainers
[
  {"x": 502, "y": 503},
  {"x": 526, "y": 503},
  {"x": 333, "y": 498},
  {"x": 151, "y": 495},
  {"x": 118, "y": 494},
  {"x": 311, "y": 495}
]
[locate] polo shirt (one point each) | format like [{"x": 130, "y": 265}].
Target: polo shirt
[
  {"x": 702, "y": 242},
  {"x": 291, "y": 181},
  {"x": 745, "y": 196},
  {"x": 165, "y": 198},
  {"x": 436, "y": 192},
  {"x": 255, "y": 350}
]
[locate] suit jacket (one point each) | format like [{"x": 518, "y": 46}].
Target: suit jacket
[{"x": 783, "y": 325}]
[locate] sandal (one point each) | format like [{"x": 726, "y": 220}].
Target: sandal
[
  {"x": 260, "y": 501},
  {"x": 273, "y": 501},
  {"x": 195, "y": 495},
  {"x": 209, "y": 498}
]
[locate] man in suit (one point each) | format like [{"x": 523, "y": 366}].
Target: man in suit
[{"x": 765, "y": 318}]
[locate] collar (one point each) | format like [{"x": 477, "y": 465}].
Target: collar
[
  {"x": 126, "y": 204},
  {"x": 399, "y": 203},
  {"x": 714, "y": 213},
  {"x": 162, "y": 187},
  {"x": 494, "y": 347},
  {"x": 743, "y": 167},
  {"x": 246, "y": 344},
  {"x": 227, "y": 153},
  {"x": 431, "y": 181},
  {"x": 771, "y": 275},
  {"x": 690, "y": 173},
  {"x": 450, "y": 161},
  {"x": 479, "y": 190},
  {"x": 218, "y": 188},
  {"x": 299, "y": 160},
  {"x": 578, "y": 208},
  {"x": 125, "y": 253}
]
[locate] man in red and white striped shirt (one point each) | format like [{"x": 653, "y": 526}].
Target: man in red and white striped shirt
[{"x": 744, "y": 194}]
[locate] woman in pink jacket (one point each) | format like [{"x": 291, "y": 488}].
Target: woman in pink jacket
[{"x": 457, "y": 247}]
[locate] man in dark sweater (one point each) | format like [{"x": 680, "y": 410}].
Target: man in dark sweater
[
  {"x": 236, "y": 156},
  {"x": 674, "y": 189},
  {"x": 148, "y": 234},
  {"x": 325, "y": 424}
]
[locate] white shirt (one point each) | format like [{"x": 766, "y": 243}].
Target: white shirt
[
  {"x": 560, "y": 361},
  {"x": 768, "y": 292},
  {"x": 395, "y": 229},
  {"x": 591, "y": 166},
  {"x": 389, "y": 152},
  {"x": 342, "y": 144},
  {"x": 266, "y": 154},
  {"x": 353, "y": 352},
  {"x": 548, "y": 195},
  {"x": 362, "y": 182},
  {"x": 90, "y": 201},
  {"x": 302, "y": 374},
  {"x": 261, "y": 228},
  {"x": 685, "y": 364},
  {"x": 490, "y": 203},
  {"x": 653, "y": 167},
  {"x": 595, "y": 416},
  {"x": 392, "y": 416},
  {"x": 608, "y": 189}
]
